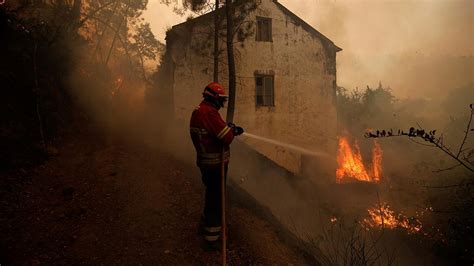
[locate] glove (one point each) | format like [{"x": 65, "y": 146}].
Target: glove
[{"x": 237, "y": 130}]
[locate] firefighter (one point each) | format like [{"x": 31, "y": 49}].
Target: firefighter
[{"x": 211, "y": 137}]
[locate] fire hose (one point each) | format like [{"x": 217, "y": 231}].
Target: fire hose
[
  {"x": 224, "y": 233},
  {"x": 287, "y": 145}
]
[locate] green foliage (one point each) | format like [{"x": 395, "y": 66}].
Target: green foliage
[
  {"x": 122, "y": 20},
  {"x": 49, "y": 49},
  {"x": 196, "y": 5},
  {"x": 143, "y": 41},
  {"x": 358, "y": 110},
  {"x": 36, "y": 57}
]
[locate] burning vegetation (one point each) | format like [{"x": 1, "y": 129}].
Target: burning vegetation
[
  {"x": 91, "y": 62},
  {"x": 351, "y": 165},
  {"x": 382, "y": 216}
]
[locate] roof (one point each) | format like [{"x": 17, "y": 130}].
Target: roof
[
  {"x": 197, "y": 19},
  {"x": 305, "y": 25},
  {"x": 286, "y": 11}
]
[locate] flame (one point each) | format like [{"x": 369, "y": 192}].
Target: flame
[
  {"x": 351, "y": 165},
  {"x": 383, "y": 217},
  {"x": 377, "y": 161}
]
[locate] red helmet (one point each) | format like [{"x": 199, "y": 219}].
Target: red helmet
[{"x": 216, "y": 91}]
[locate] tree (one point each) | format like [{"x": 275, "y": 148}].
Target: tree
[
  {"x": 200, "y": 7},
  {"x": 361, "y": 109},
  {"x": 61, "y": 37},
  {"x": 216, "y": 42},
  {"x": 229, "y": 8},
  {"x": 123, "y": 19},
  {"x": 234, "y": 27}
]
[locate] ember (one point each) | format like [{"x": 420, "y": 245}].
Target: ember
[
  {"x": 351, "y": 164},
  {"x": 117, "y": 85}
]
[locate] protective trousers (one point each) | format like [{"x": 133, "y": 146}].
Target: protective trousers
[{"x": 212, "y": 204}]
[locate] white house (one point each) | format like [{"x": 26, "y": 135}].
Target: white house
[{"x": 286, "y": 82}]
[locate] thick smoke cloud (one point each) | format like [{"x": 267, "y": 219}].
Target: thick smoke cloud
[
  {"x": 417, "y": 47},
  {"x": 421, "y": 49}
]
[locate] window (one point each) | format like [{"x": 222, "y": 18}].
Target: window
[
  {"x": 264, "y": 90},
  {"x": 264, "y": 29}
]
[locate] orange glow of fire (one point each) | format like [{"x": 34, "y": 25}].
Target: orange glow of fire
[
  {"x": 377, "y": 162},
  {"x": 381, "y": 216},
  {"x": 351, "y": 164},
  {"x": 117, "y": 85}
]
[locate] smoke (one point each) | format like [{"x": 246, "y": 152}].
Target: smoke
[
  {"x": 421, "y": 49},
  {"x": 418, "y": 48}
]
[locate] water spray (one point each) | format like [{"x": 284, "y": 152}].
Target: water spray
[{"x": 287, "y": 145}]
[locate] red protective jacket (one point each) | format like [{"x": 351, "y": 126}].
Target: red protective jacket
[{"x": 210, "y": 134}]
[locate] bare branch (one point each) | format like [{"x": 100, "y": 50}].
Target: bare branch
[
  {"x": 430, "y": 137},
  {"x": 446, "y": 169},
  {"x": 93, "y": 12},
  {"x": 467, "y": 130},
  {"x": 423, "y": 144}
]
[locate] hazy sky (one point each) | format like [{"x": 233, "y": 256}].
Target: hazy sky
[{"x": 379, "y": 36}]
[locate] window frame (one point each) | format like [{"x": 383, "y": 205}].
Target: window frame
[
  {"x": 258, "y": 34},
  {"x": 266, "y": 93}
]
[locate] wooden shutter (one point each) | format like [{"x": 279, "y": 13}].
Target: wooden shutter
[
  {"x": 259, "y": 30},
  {"x": 259, "y": 90},
  {"x": 268, "y": 91},
  {"x": 268, "y": 30},
  {"x": 264, "y": 90},
  {"x": 264, "y": 29}
]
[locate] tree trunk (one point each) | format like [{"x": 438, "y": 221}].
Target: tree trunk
[
  {"x": 216, "y": 43},
  {"x": 38, "y": 94},
  {"x": 230, "y": 58},
  {"x": 76, "y": 11}
]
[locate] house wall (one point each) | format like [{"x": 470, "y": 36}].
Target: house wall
[{"x": 304, "y": 113}]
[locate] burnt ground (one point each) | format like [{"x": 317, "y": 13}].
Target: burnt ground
[{"x": 103, "y": 200}]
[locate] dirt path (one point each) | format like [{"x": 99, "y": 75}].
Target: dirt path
[{"x": 110, "y": 202}]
